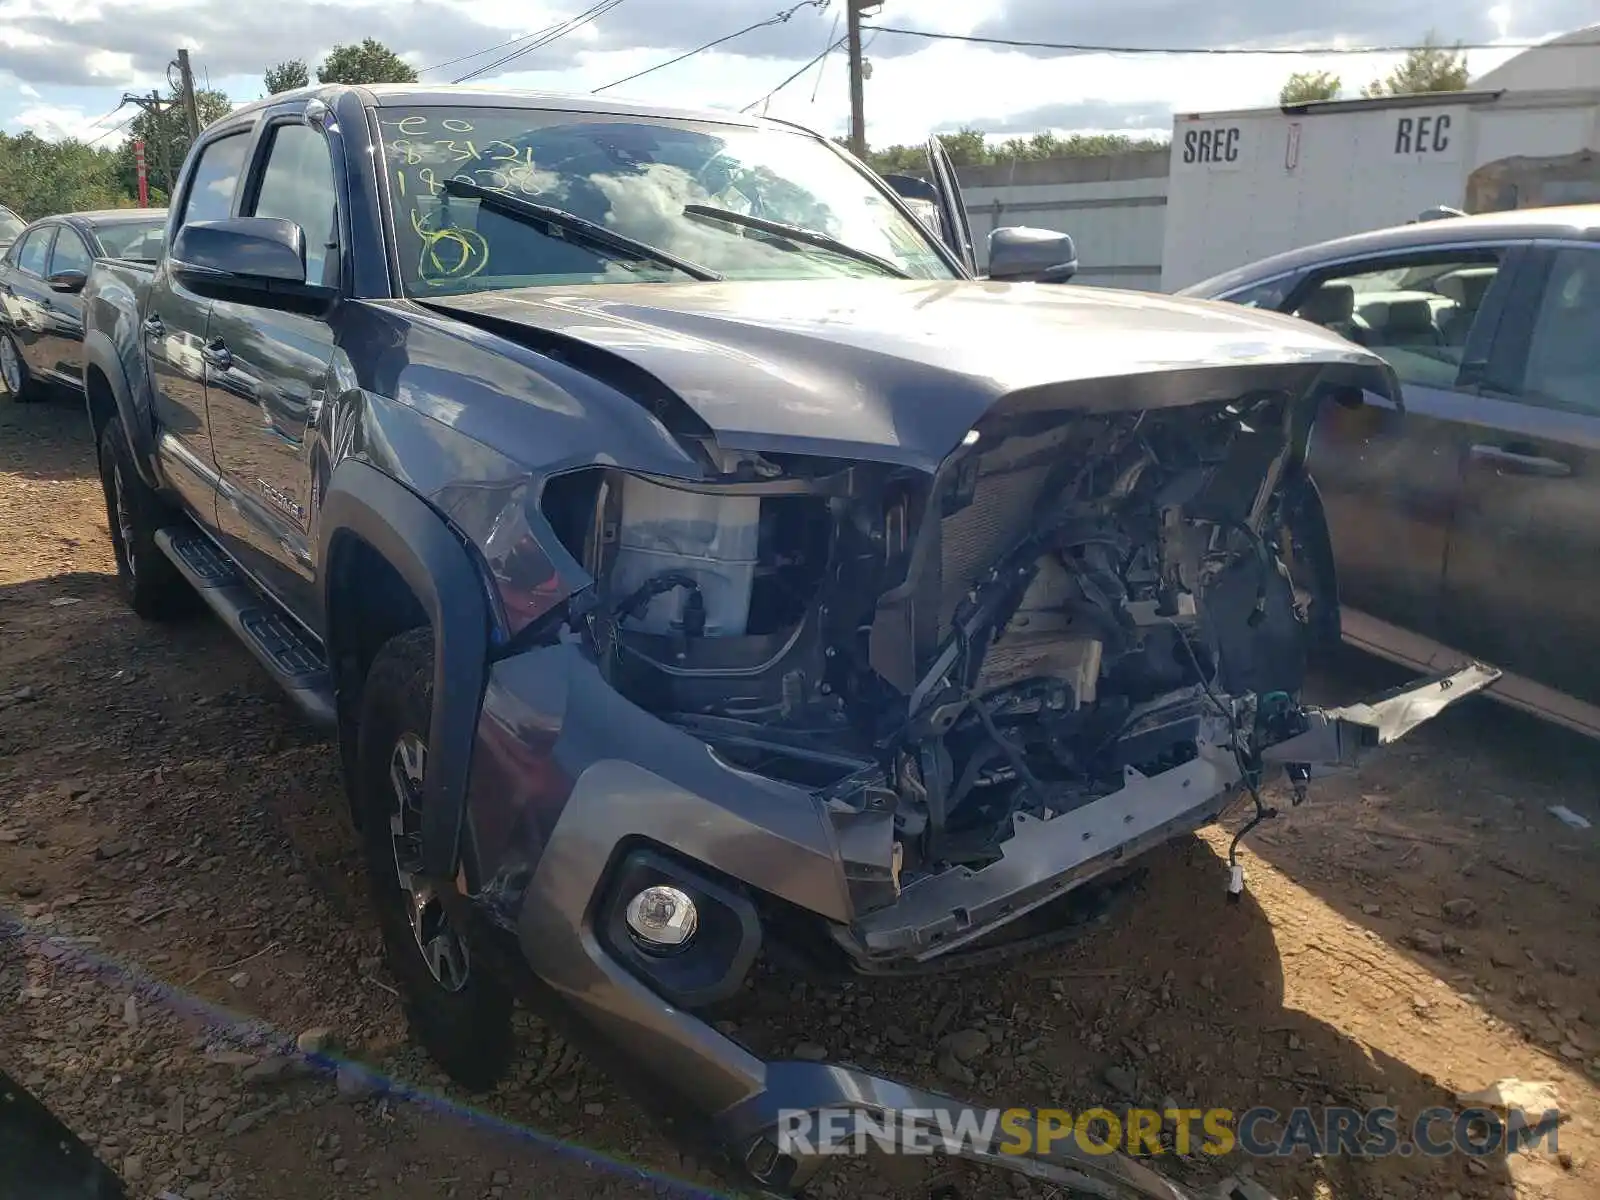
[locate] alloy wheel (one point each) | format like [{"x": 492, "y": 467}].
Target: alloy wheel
[
  {"x": 10, "y": 366},
  {"x": 124, "y": 521},
  {"x": 441, "y": 946}
]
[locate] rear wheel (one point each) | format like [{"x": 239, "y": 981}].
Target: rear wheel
[
  {"x": 150, "y": 582},
  {"x": 14, "y": 372},
  {"x": 457, "y": 1010}
]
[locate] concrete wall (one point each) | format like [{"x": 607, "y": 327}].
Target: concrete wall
[{"x": 1113, "y": 205}]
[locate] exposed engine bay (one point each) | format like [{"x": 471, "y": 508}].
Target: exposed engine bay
[{"x": 1071, "y": 596}]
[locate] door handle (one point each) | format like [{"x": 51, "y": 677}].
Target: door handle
[
  {"x": 217, "y": 355},
  {"x": 1512, "y": 463},
  {"x": 153, "y": 326}
]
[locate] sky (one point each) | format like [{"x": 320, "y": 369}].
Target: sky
[{"x": 64, "y": 64}]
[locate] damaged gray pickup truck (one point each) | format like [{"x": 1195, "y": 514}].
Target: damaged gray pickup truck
[{"x": 694, "y": 560}]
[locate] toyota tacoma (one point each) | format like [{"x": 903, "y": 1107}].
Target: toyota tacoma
[{"x": 692, "y": 558}]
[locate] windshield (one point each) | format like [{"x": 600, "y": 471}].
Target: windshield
[
  {"x": 10, "y": 225},
  {"x": 134, "y": 239},
  {"x": 633, "y": 176}
]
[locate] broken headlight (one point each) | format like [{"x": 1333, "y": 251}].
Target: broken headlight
[{"x": 684, "y": 561}]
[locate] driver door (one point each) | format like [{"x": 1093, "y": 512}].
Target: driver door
[{"x": 954, "y": 228}]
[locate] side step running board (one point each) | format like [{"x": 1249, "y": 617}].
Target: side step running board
[{"x": 273, "y": 638}]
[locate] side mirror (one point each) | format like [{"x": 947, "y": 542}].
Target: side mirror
[
  {"x": 68, "y": 281},
  {"x": 911, "y": 188},
  {"x": 252, "y": 260},
  {"x": 1021, "y": 255}
]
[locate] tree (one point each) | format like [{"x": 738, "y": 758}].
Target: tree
[
  {"x": 370, "y": 62},
  {"x": 286, "y": 76},
  {"x": 39, "y": 178},
  {"x": 166, "y": 140},
  {"x": 970, "y": 148},
  {"x": 1304, "y": 87},
  {"x": 1429, "y": 68}
]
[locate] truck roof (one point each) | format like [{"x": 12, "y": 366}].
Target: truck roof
[{"x": 387, "y": 95}]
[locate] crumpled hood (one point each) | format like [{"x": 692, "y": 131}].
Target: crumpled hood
[{"x": 900, "y": 371}]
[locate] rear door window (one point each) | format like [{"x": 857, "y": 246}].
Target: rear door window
[{"x": 1562, "y": 368}]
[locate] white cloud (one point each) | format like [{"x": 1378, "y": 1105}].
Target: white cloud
[
  {"x": 85, "y": 53},
  {"x": 55, "y": 122}
]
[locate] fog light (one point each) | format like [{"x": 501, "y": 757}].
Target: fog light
[{"x": 662, "y": 917}]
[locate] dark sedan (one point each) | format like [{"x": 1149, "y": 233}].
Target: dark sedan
[
  {"x": 1469, "y": 523},
  {"x": 41, "y": 274}
]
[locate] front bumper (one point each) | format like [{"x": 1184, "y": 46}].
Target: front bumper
[{"x": 573, "y": 788}]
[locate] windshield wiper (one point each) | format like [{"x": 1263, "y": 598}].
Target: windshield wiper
[
  {"x": 577, "y": 229},
  {"x": 794, "y": 233}
]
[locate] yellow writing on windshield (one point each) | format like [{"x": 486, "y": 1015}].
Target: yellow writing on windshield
[
  {"x": 424, "y": 158},
  {"x": 449, "y": 253}
]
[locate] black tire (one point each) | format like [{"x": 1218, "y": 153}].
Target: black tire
[
  {"x": 26, "y": 387},
  {"x": 465, "y": 1028},
  {"x": 150, "y": 583}
]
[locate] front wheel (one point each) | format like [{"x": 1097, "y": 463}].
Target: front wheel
[
  {"x": 457, "y": 1011},
  {"x": 14, "y": 372},
  {"x": 150, "y": 583}
]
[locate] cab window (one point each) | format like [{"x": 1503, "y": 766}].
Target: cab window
[
  {"x": 216, "y": 176},
  {"x": 298, "y": 185}
]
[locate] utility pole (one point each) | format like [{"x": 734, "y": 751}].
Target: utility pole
[
  {"x": 156, "y": 106},
  {"x": 190, "y": 109},
  {"x": 854, "y": 11}
]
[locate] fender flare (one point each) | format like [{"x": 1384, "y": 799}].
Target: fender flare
[
  {"x": 100, "y": 352},
  {"x": 415, "y": 539}
]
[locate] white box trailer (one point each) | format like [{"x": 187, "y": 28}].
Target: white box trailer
[{"x": 1255, "y": 182}]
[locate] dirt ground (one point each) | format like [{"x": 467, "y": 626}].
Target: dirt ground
[{"x": 181, "y": 896}]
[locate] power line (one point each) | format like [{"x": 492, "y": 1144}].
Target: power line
[
  {"x": 521, "y": 37},
  {"x": 813, "y": 62},
  {"x": 822, "y": 67},
  {"x": 543, "y": 38},
  {"x": 106, "y": 116},
  {"x": 122, "y": 124},
  {"x": 777, "y": 18},
  {"x": 1089, "y": 48},
  {"x": 571, "y": 25}
]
